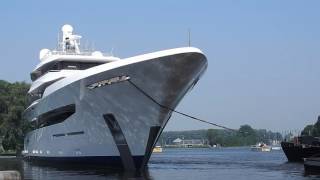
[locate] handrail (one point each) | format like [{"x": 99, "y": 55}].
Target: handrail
[{"x": 82, "y": 53}]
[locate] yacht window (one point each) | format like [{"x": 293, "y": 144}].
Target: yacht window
[
  {"x": 35, "y": 96},
  {"x": 72, "y": 67},
  {"x": 78, "y": 65},
  {"x": 60, "y": 65},
  {"x": 55, "y": 67},
  {"x": 53, "y": 117}
]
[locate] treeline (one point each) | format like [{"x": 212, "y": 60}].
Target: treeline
[
  {"x": 312, "y": 129},
  {"x": 245, "y": 136},
  {"x": 13, "y": 101}
]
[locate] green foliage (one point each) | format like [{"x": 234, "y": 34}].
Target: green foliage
[
  {"x": 316, "y": 128},
  {"x": 13, "y": 101},
  {"x": 212, "y": 135},
  {"x": 312, "y": 130},
  {"x": 246, "y": 130},
  {"x": 307, "y": 131}
]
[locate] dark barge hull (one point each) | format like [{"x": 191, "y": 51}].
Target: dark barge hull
[
  {"x": 296, "y": 153},
  {"x": 312, "y": 165}
]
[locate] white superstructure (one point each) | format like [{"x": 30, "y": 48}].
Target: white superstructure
[{"x": 88, "y": 107}]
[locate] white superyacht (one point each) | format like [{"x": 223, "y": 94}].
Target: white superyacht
[{"x": 88, "y": 107}]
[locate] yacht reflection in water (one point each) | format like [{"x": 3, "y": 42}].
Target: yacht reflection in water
[
  {"x": 35, "y": 170},
  {"x": 42, "y": 170}
]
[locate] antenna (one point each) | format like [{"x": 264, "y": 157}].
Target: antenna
[
  {"x": 86, "y": 46},
  {"x": 189, "y": 37},
  {"x": 58, "y": 44},
  {"x": 92, "y": 46},
  {"x": 112, "y": 51}
]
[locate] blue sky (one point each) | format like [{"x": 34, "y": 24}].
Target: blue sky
[{"x": 263, "y": 55}]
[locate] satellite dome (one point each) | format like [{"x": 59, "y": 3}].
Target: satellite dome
[
  {"x": 67, "y": 28},
  {"x": 97, "y": 54},
  {"x": 43, "y": 53}
]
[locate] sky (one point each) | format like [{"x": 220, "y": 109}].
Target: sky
[{"x": 263, "y": 56}]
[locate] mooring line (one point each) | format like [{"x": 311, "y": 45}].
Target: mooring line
[{"x": 178, "y": 112}]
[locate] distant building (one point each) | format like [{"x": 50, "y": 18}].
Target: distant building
[
  {"x": 177, "y": 141},
  {"x": 189, "y": 142},
  {"x": 275, "y": 142}
]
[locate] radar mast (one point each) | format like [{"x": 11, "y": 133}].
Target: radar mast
[{"x": 70, "y": 42}]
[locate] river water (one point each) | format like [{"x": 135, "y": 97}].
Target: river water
[{"x": 223, "y": 163}]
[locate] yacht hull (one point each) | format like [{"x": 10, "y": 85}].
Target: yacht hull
[{"x": 111, "y": 117}]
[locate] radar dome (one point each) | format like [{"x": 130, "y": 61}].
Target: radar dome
[
  {"x": 67, "y": 28},
  {"x": 43, "y": 53},
  {"x": 97, "y": 54}
]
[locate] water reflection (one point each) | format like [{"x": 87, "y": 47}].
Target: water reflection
[
  {"x": 184, "y": 164},
  {"x": 43, "y": 171},
  {"x": 32, "y": 170},
  {"x": 314, "y": 174},
  {"x": 13, "y": 164}
]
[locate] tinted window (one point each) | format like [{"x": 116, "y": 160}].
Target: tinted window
[{"x": 60, "y": 65}]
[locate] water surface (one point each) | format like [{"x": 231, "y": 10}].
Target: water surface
[{"x": 223, "y": 163}]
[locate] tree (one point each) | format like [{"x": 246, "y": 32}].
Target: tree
[
  {"x": 248, "y": 135},
  {"x": 246, "y": 130},
  {"x": 212, "y": 135},
  {"x": 307, "y": 131},
  {"x": 13, "y": 101},
  {"x": 316, "y": 128}
]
